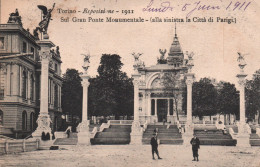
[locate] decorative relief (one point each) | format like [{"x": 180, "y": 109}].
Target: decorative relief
[
  {"x": 157, "y": 83},
  {"x": 43, "y": 122}
]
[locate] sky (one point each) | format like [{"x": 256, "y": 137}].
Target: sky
[{"x": 215, "y": 44}]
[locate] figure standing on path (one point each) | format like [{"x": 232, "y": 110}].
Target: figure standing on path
[
  {"x": 154, "y": 145},
  {"x": 195, "y": 142}
]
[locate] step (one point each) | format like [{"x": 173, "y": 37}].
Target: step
[
  {"x": 110, "y": 141},
  {"x": 165, "y": 141},
  {"x": 254, "y": 142},
  {"x": 222, "y": 142},
  {"x": 112, "y": 135},
  {"x": 66, "y": 141}
]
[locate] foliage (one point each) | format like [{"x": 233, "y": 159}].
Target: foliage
[
  {"x": 111, "y": 92},
  {"x": 204, "y": 97},
  {"x": 71, "y": 97},
  {"x": 173, "y": 83},
  {"x": 228, "y": 99},
  {"x": 252, "y": 93}
]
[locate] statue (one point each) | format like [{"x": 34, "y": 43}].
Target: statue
[
  {"x": 136, "y": 56},
  {"x": 241, "y": 61},
  {"x": 86, "y": 62},
  {"x": 58, "y": 51},
  {"x": 43, "y": 25},
  {"x": 15, "y": 18},
  {"x": 162, "y": 53},
  {"x": 35, "y": 34}
]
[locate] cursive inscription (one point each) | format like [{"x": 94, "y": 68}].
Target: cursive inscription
[{"x": 164, "y": 6}]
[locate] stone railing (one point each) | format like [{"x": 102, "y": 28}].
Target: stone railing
[
  {"x": 120, "y": 122},
  {"x": 145, "y": 125},
  {"x": 258, "y": 131},
  {"x": 232, "y": 133},
  {"x": 60, "y": 135},
  {"x": 15, "y": 146},
  {"x": 94, "y": 131},
  {"x": 104, "y": 125}
]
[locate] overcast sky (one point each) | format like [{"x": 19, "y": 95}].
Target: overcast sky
[{"x": 215, "y": 44}]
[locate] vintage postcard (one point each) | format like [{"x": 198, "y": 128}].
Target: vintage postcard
[{"x": 129, "y": 83}]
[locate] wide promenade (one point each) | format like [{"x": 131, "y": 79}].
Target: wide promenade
[{"x": 135, "y": 156}]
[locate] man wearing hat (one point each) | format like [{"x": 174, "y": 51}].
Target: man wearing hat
[
  {"x": 154, "y": 145},
  {"x": 195, "y": 142}
]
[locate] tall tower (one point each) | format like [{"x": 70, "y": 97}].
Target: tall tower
[{"x": 175, "y": 55}]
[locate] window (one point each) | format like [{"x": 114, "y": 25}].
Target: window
[
  {"x": 32, "y": 88},
  {"x": 32, "y": 121},
  {"x": 1, "y": 117},
  {"x": 153, "y": 107},
  {"x": 56, "y": 67},
  {"x": 24, "y": 81},
  {"x": 24, "y": 47},
  {"x": 24, "y": 120},
  {"x": 32, "y": 51},
  {"x": 56, "y": 97},
  {"x": 2, "y": 83},
  {"x": 2, "y": 44}
]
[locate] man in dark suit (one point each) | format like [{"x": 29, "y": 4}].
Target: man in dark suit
[
  {"x": 154, "y": 145},
  {"x": 195, "y": 142}
]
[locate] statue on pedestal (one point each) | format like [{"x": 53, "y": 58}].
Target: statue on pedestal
[
  {"x": 86, "y": 62},
  {"x": 43, "y": 25},
  {"x": 15, "y": 18}
]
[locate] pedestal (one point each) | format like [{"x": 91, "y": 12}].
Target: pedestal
[
  {"x": 243, "y": 136},
  {"x": 83, "y": 133},
  {"x": 189, "y": 130},
  {"x": 136, "y": 134}
]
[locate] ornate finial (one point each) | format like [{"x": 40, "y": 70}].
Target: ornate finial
[
  {"x": 43, "y": 25},
  {"x": 241, "y": 61},
  {"x": 86, "y": 63},
  {"x": 190, "y": 64},
  {"x": 15, "y": 18},
  {"x": 162, "y": 60},
  {"x": 138, "y": 63},
  {"x": 175, "y": 30}
]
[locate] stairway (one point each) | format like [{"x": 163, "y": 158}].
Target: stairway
[
  {"x": 165, "y": 136},
  {"x": 215, "y": 137},
  {"x": 115, "y": 134},
  {"x": 72, "y": 140}
]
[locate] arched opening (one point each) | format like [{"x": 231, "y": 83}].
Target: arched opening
[
  {"x": 24, "y": 86},
  {"x": 1, "y": 118},
  {"x": 32, "y": 121},
  {"x": 24, "y": 120}
]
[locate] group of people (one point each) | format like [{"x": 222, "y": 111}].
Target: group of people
[{"x": 195, "y": 142}]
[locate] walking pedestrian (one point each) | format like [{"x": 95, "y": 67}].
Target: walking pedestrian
[
  {"x": 154, "y": 145},
  {"x": 195, "y": 142}
]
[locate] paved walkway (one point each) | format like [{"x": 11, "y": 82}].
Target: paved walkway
[{"x": 135, "y": 156}]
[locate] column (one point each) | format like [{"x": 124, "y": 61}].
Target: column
[
  {"x": 244, "y": 130},
  {"x": 16, "y": 80},
  {"x": 83, "y": 128},
  {"x": 8, "y": 79},
  {"x": 149, "y": 104},
  {"x": 155, "y": 109},
  {"x": 44, "y": 119},
  {"x": 21, "y": 80},
  {"x": 168, "y": 111},
  {"x": 136, "y": 133}
]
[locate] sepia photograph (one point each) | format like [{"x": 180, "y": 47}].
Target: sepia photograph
[{"x": 141, "y": 83}]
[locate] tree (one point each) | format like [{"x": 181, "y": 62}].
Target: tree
[
  {"x": 71, "y": 97},
  {"x": 228, "y": 99},
  {"x": 174, "y": 85},
  {"x": 253, "y": 95},
  {"x": 204, "y": 97},
  {"x": 111, "y": 92}
]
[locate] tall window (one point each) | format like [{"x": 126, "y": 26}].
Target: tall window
[
  {"x": 2, "y": 44},
  {"x": 32, "y": 88},
  {"x": 2, "y": 83},
  {"x": 56, "y": 67},
  {"x": 56, "y": 97},
  {"x": 32, "y": 51},
  {"x": 1, "y": 117},
  {"x": 24, "y": 81},
  {"x": 24, "y": 120},
  {"x": 55, "y": 127},
  {"x": 24, "y": 47},
  {"x": 32, "y": 121},
  {"x": 153, "y": 107}
]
